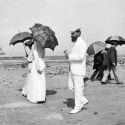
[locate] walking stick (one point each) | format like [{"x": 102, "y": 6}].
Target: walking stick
[
  {"x": 25, "y": 53},
  {"x": 25, "y": 50}
]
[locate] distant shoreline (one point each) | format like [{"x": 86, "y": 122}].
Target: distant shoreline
[{"x": 53, "y": 58}]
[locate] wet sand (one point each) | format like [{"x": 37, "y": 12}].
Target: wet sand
[{"x": 106, "y": 102}]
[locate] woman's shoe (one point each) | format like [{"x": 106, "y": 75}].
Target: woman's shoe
[
  {"x": 24, "y": 95},
  {"x": 40, "y": 102},
  {"x": 103, "y": 83}
]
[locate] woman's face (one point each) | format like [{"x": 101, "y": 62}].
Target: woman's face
[{"x": 74, "y": 36}]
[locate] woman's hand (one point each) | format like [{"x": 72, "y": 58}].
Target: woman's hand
[{"x": 39, "y": 71}]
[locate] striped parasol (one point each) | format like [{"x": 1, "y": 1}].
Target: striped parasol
[{"x": 96, "y": 47}]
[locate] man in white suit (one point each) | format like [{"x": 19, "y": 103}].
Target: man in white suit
[{"x": 77, "y": 60}]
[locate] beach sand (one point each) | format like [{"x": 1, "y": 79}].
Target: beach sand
[{"x": 106, "y": 102}]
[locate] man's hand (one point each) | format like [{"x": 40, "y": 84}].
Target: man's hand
[
  {"x": 66, "y": 54},
  {"x": 114, "y": 64},
  {"x": 38, "y": 69}
]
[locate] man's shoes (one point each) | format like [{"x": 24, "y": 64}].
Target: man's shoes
[
  {"x": 74, "y": 111},
  {"x": 120, "y": 83},
  {"x": 24, "y": 95},
  {"x": 103, "y": 83},
  {"x": 86, "y": 79},
  {"x": 84, "y": 103}
]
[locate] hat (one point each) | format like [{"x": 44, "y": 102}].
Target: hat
[
  {"x": 114, "y": 42},
  {"x": 77, "y": 30},
  {"x": 28, "y": 43}
]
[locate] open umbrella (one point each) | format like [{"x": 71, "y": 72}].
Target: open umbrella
[
  {"x": 120, "y": 40},
  {"x": 21, "y": 38},
  {"x": 96, "y": 47},
  {"x": 44, "y": 35}
]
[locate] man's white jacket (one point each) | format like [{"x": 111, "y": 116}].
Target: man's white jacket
[{"x": 77, "y": 57}]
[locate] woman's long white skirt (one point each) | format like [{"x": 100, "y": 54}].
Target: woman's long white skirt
[{"x": 36, "y": 89}]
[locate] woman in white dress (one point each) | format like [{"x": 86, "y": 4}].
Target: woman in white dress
[
  {"x": 29, "y": 61},
  {"x": 36, "y": 90}
]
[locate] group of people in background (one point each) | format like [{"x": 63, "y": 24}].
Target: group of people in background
[{"x": 104, "y": 62}]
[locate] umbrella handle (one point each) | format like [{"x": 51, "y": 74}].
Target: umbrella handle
[{"x": 25, "y": 50}]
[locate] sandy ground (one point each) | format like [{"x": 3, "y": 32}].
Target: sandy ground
[{"x": 106, "y": 102}]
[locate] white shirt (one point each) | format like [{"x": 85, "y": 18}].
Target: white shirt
[{"x": 77, "y": 57}]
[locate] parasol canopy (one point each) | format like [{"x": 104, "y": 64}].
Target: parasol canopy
[
  {"x": 96, "y": 47},
  {"x": 20, "y": 38},
  {"x": 120, "y": 40},
  {"x": 44, "y": 35}
]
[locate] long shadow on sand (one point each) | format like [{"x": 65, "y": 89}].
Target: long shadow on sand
[
  {"x": 50, "y": 92},
  {"x": 70, "y": 102},
  {"x": 20, "y": 89}
]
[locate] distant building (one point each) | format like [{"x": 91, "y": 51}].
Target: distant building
[{"x": 1, "y": 51}]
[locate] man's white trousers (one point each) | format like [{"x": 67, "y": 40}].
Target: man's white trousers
[{"x": 76, "y": 83}]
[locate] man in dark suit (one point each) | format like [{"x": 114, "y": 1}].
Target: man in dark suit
[
  {"x": 97, "y": 67},
  {"x": 110, "y": 63}
]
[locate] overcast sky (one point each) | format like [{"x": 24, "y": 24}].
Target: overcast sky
[{"x": 97, "y": 19}]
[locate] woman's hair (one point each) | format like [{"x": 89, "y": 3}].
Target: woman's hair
[
  {"x": 30, "y": 46},
  {"x": 29, "y": 43}
]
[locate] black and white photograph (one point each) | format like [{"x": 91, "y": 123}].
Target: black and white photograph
[{"x": 62, "y": 62}]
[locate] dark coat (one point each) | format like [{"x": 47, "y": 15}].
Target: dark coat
[
  {"x": 98, "y": 60},
  {"x": 110, "y": 58}
]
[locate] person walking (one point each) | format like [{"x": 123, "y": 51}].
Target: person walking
[
  {"x": 110, "y": 63},
  {"x": 29, "y": 63},
  {"x": 97, "y": 67},
  {"x": 36, "y": 90},
  {"x": 104, "y": 53},
  {"x": 77, "y": 61}
]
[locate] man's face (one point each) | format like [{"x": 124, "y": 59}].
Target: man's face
[
  {"x": 115, "y": 44},
  {"x": 74, "y": 36}
]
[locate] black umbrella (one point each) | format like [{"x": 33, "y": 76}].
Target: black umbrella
[
  {"x": 120, "y": 40},
  {"x": 21, "y": 38},
  {"x": 44, "y": 35}
]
